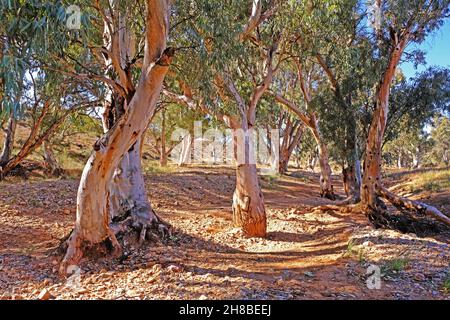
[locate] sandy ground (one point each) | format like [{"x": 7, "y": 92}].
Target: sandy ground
[{"x": 308, "y": 254}]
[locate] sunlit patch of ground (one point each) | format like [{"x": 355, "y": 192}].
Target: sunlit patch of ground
[{"x": 308, "y": 254}]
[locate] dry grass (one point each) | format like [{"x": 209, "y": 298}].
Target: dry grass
[{"x": 432, "y": 180}]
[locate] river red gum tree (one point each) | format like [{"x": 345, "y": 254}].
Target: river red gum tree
[
  {"x": 291, "y": 137},
  {"x": 422, "y": 18},
  {"x": 248, "y": 201},
  {"x": 352, "y": 171},
  {"x": 93, "y": 223},
  {"x": 311, "y": 121}
]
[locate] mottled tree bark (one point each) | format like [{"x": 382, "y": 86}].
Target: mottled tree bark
[
  {"x": 249, "y": 211},
  {"x": 372, "y": 163},
  {"x": 93, "y": 223}
]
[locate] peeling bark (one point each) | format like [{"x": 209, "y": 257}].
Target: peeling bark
[
  {"x": 372, "y": 163},
  {"x": 372, "y": 188},
  {"x": 249, "y": 212},
  {"x": 92, "y": 225}
]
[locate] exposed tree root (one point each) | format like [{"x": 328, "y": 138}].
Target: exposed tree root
[
  {"x": 351, "y": 200},
  {"x": 344, "y": 208},
  {"x": 125, "y": 227},
  {"x": 145, "y": 223},
  {"x": 413, "y": 216},
  {"x": 328, "y": 194}
]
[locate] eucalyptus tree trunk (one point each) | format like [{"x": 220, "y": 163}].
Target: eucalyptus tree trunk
[
  {"x": 291, "y": 138},
  {"x": 51, "y": 163},
  {"x": 371, "y": 182},
  {"x": 351, "y": 174},
  {"x": 372, "y": 189},
  {"x": 128, "y": 197},
  {"x": 8, "y": 142},
  {"x": 249, "y": 212},
  {"x": 93, "y": 224},
  {"x": 309, "y": 118},
  {"x": 400, "y": 160},
  {"x": 326, "y": 187},
  {"x": 416, "y": 158}
]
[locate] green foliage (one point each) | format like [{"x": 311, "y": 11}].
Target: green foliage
[
  {"x": 440, "y": 139},
  {"x": 446, "y": 284},
  {"x": 395, "y": 266}
]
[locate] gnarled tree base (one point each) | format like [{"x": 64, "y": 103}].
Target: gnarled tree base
[
  {"x": 132, "y": 226},
  {"x": 328, "y": 194}
]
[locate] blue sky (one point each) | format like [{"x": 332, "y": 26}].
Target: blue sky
[{"x": 437, "y": 49}]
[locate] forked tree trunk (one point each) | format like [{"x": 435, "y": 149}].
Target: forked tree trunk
[
  {"x": 128, "y": 200},
  {"x": 372, "y": 163},
  {"x": 310, "y": 120},
  {"x": 8, "y": 143},
  {"x": 291, "y": 138},
  {"x": 92, "y": 226}
]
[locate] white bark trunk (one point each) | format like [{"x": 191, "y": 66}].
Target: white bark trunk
[
  {"x": 92, "y": 224},
  {"x": 249, "y": 212},
  {"x": 248, "y": 202},
  {"x": 128, "y": 195}
]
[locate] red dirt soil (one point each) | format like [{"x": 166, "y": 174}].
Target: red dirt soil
[{"x": 308, "y": 254}]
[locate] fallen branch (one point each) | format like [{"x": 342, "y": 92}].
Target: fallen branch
[{"x": 416, "y": 207}]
